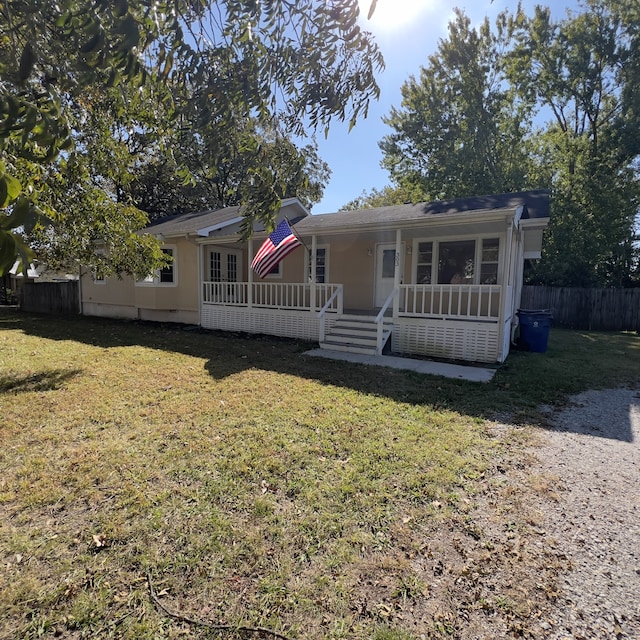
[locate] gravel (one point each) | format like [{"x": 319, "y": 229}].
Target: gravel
[{"x": 592, "y": 451}]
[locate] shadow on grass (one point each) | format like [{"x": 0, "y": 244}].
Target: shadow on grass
[
  {"x": 575, "y": 361},
  {"x": 43, "y": 381}
]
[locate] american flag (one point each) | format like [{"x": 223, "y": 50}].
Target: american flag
[{"x": 278, "y": 245}]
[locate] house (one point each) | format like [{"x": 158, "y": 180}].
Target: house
[
  {"x": 440, "y": 279},
  {"x": 12, "y": 282}
]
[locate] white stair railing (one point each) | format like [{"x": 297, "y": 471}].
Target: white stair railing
[
  {"x": 336, "y": 296},
  {"x": 380, "y": 321}
]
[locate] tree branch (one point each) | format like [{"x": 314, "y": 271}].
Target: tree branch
[{"x": 201, "y": 623}]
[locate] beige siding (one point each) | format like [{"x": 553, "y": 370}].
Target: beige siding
[
  {"x": 126, "y": 298},
  {"x": 351, "y": 265}
]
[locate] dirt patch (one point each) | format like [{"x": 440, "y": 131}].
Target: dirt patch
[
  {"x": 551, "y": 547},
  {"x": 593, "y": 455}
]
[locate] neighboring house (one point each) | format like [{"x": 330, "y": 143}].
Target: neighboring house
[
  {"x": 12, "y": 282},
  {"x": 440, "y": 279}
]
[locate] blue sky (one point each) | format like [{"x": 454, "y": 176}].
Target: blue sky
[{"x": 407, "y": 31}]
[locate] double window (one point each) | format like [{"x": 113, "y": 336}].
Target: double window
[{"x": 457, "y": 261}]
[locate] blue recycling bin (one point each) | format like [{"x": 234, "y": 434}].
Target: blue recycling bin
[{"x": 534, "y": 329}]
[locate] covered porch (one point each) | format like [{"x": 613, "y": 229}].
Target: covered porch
[{"x": 374, "y": 304}]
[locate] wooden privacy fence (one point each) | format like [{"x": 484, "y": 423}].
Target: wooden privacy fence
[
  {"x": 50, "y": 297},
  {"x": 590, "y": 309}
]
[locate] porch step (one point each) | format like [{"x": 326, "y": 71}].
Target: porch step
[{"x": 356, "y": 334}]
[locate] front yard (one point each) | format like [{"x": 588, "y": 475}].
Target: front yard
[{"x": 157, "y": 482}]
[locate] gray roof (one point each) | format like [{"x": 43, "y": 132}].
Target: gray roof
[
  {"x": 535, "y": 203},
  {"x": 190, "y": 222}
]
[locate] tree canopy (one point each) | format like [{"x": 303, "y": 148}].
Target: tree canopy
[
  {"x": 91, "y": 89},
  {"x": 532, "y": 102}
]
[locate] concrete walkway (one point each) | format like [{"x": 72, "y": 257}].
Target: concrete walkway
[{"x": 461, "y": 372}]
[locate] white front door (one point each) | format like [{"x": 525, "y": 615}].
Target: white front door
[{"x": 386, "y": 259}]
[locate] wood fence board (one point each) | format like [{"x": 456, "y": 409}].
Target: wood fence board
[
  {"x": 55, "y": 298},
  {"x": 587, "y": 309}
]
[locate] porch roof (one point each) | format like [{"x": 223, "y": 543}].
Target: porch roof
[{"x": 535, "y": 205}]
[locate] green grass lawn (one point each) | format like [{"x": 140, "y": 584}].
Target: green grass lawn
[{"x": 253, "y": 486}]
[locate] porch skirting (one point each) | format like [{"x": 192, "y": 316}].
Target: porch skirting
[
  {"x": 301, "y": 325},
  {"x": 455, "y": 340}
]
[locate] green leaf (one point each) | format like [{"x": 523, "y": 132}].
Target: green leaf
[
  {"x": 131, "y": 32},
  {"x": 24, "y": 253},
  {"x": 93, "y": 44},
  {"x": 120, "y": 7},
  {"x": 27, "y": 60},
  {"x": 64, "y": 19},
  {"x": 18, "y": 215},
  {"x": 12, "y": 185},
  {"x": 7, "y": 251}
]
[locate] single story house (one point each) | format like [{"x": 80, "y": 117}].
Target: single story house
[{"x": 440, "y": 279}]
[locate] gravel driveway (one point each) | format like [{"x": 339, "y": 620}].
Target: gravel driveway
[{"x": 593, "y": 450}]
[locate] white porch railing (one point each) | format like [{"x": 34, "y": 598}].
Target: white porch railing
[
  {"x": 472, "y": 301},
  {"x": 272, "y": 295},
  {"x": 225, "y": 293}
]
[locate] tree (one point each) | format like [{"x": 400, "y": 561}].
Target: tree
[
  {"x": 584, "y": 71},
  {"x": 460, "y": 130},
  {"x": 292, "y": 67},
  {"x": 385, "y": 197},
  {"x": 466, "y": 127},
  {"x": 219, "y": 164}
]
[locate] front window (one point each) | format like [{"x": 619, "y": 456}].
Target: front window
[
  {"x": 425, "y": 263},
  {"x": 489, "y": 261},
  {"x": 322, "y": 265},
  {"x": 456, "y": 262}
]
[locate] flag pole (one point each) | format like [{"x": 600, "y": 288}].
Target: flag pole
[{"x": 302, "y": 242}]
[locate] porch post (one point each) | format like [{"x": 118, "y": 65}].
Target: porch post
[
  {"x": 312, "y": 293},
  {"x": 249, "y": 273},
  {"x": 397, "y": 275},
  {"x": 200, "y": 281},
  {"x": 506, "y": 279}
]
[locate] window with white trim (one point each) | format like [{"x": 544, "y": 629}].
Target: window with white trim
[
  {"x": 232, "y": 267},
  {"x": 424, "y": 265},
  {"x": 167, "y": 275},
  {"x": 275, "y": 272},
  {"x": 322, "y": 265},
  {"x": 471, "y": 261},
  {"x": 98, "y": 275},
  {"x": 97, "y": 272},
  {"x": 168, "y": 272},
  {"x": 215, "y": 266},
  {"x": 489, "y": 261},
  {"x": 456, "y": 262}
]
